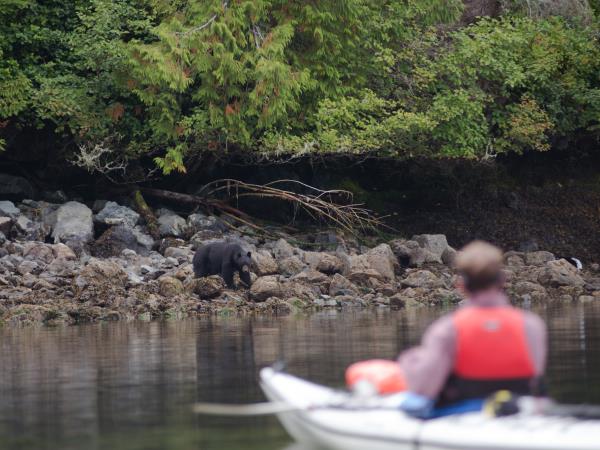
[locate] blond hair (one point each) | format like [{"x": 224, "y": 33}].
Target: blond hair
[{"x": 480, "y": 265}]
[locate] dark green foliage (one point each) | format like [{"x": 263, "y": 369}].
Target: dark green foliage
[{"x": 172, "y": 80}]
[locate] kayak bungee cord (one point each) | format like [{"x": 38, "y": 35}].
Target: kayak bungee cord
[
  {"x": 251, "y": 409},
  {"x": 267, "y": 408}
]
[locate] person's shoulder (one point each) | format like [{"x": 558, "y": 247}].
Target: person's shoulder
[
  {"x": 533, "y": 322},
  {"x": 443, "y": 327}
]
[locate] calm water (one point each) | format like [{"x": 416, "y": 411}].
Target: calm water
[{"x": 129, "y": 386}]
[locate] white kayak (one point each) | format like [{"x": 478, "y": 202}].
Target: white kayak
[{"x": 327, "y": 418}]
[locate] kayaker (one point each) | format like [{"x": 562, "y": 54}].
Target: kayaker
[{"x": 484, "y": 347}]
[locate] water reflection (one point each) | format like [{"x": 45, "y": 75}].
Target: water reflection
[{"x": 120, "y": 385}]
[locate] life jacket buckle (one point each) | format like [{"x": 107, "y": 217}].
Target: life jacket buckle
[{"x": 501, "y": 403}]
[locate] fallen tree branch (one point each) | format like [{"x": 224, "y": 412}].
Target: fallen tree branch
[
  {"x": 188, "y": 199},
  {"x": 317, "y": 203}
]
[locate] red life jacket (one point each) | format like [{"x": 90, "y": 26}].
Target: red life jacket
[{"x": 492, "y": 353}]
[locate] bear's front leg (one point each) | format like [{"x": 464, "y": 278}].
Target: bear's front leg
[
  {"x": 245, "y": 277},
  {"x": 227, "y": 275}
]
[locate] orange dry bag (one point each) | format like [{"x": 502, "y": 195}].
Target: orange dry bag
[{"x": 384, "y": 375}]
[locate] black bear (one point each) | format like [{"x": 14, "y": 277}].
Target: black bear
[{"x": 222, "y": 258}]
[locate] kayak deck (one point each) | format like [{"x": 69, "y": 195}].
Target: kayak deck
[{"x": 327, "y": 418}]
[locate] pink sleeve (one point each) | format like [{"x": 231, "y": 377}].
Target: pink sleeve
[
  {"x": 537, "y": 339},
  {"x": 428, "y": 366}
]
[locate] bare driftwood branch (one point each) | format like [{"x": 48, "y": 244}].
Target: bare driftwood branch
[{"x": 317, "y": 203}]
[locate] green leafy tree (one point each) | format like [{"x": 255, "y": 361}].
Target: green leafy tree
[
  {"x": 172, "y": 80},
  {"x": 499, "y": 85}
]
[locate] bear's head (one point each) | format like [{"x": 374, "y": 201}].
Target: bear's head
[{"x": 242, "y": 260}]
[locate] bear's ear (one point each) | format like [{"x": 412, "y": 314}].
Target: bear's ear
[{"x": 249, "y": 254}]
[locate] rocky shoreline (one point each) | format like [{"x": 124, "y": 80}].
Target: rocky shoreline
[{"x": 68, "y": 263}]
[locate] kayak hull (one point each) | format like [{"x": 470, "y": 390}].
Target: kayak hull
[{"x": 343, "y": 426}]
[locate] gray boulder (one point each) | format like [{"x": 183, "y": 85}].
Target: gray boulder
[
  {"x": 324, "y": 262},
  {"x": 118, "y": 238},
  {"x": 144, "y": 241},
  {"x": 358, "y": 269},
  {"x": 265, "y": 287},
  {"x": 171, "y": 224},
  {"x": 410, "y": 297},
  {"x": 99, "y": 272},
  {"x": 435, "y": 244},
  {"x": 281, "y": 249},
  {"x": 28, "y": 229},
  {"x": 410, "y": 253},
  {"x": 291, "y": 265},
  {"x": 200, "y": 222},
  {"x": 61, "y": 251},
  {"x": 169, "y": 286},
  {"x": 5, "y": 225},
  {"x": 299, "y": 290},
  {"x": 538, "y": 258},
  {"x": 74, "y": 224},
  {"x": 379, "y": 262},
  {"x": 46, "y": 212},
  {"x": 514, "y": 260},
  {"x": 527, "y": 287},
  {"x": 382, "y": 260},
  {"x": 264, "y": 263},
  {"x": 448, "y": 256},
  {"x": 330, "y": 264},
  {"x": 312, "y": 277},
  {"x": 8, "y": 208},
  {"x": 181, "y": 254},
  {"x": 560, "y": 273},
  {"x": 36, "y": 251},
  {"x": 365, "y": 277},
  {"x": 29, "y": 267},
  {"x": 206, "y": 287},
  {"x": 115, "y": 214},
  {"x": 527, "y": 290},
  {"x": 423, "y": 279},
  {"x": 340, "y": 285}
]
